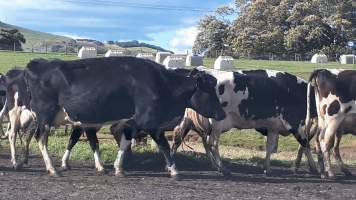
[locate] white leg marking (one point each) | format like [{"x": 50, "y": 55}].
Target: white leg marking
[
  {"x": 173, "y": 170},
  {"x": 124, "y": 144},
  {"x": 98, "y": 165},
  {"x": 65, "y": 159},
  {"x": 42, "y": 143}
]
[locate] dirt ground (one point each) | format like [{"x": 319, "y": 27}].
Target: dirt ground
[{"x": 147, "y": 180}]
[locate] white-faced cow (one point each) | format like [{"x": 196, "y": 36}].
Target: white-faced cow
[
  {"x": 335, "y": 97},
  {"x": 271, "y": 102},
  {"x": 97, "y": 91}
]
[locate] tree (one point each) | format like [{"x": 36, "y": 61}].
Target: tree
[
  {"x": 280, "y": 27},
  {"x": 320, "y": 25},
  {"x": 11, "y": 39},
  {"x": 213, "y": 31},
  {"x": 260, "y": 27}
]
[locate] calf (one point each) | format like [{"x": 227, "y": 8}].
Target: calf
[
  {"x": 272, "y": 102},
  {"x": 93, "y": 92},
  {"x": 334, "y": 95}
]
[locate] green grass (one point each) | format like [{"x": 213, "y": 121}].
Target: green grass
[
  {"x": 299, "y": 68},
  {"x": 9, "y": 59}
]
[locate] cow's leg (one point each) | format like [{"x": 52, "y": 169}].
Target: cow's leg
[
  {"x": 326, "y": 142},
  {"x": 28, "y": 136},
  {"x": 272, "y": 138},
  {"x": 215, "y": 157},
  {"x": 212, "y": 145},
  {"x": 12, "y": 133},
  {"x": 336, "y": 154},
  {"x": 312, "y": 166},
  {"x": 179, "y": 133},
  {"x": 298, "y": 159},
  {"x": 123, "y": 136},
  {"x": 94, "y": 144},
  {"x": 42, "y": 139},
  {"x": 311, "y": 163},
  {"x": 164, "y": 148},
  {"x": 74, "y": 137},
  {"x": 319, "y": 154}
]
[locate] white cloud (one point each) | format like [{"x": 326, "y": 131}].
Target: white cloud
[
  {"x": 183, "y": 38},
  {"x": 71, "y": 35}
]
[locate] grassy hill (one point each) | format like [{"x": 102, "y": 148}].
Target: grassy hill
[{"x": 35, "y": 38}]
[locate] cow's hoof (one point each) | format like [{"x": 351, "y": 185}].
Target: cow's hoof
[
  {"x": 176, "y": 177},
  {"x": 54, "y": 174},
  {"x": 101, "y": 171},
  {"x": 226, "y": 172},
  {"x": 267, "y": 172},
  {"x": 66, "y": 167},
  {"x": 17, "y": 166},
  {"x": 331, "y": 176},
  {"x": 120, "y": 174}
]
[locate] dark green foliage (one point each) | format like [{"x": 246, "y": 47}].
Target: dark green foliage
[
  {"x": 11, "y": 39},
  {"x": 280, "y": 27}
]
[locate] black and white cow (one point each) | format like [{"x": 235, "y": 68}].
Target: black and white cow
[
  {"x": 335, "y": 96},
  {"x": 92, "y": 92},
  {"x": 271, "y": 102}
]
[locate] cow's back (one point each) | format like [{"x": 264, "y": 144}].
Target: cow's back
[
  {"x": 270, "y": 95},
  {"x": 104, "y": 86}
]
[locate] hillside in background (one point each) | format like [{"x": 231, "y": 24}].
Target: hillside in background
[
  {"x": 38, "y": 41},
  {"x": 36, "y": 38}
]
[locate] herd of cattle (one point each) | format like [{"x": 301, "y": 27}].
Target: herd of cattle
[{"x": 139, "y": 97}]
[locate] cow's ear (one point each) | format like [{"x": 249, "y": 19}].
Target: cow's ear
[{"x": 193, "y": 73}]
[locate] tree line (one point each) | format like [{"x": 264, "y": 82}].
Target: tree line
[{"x": 284, "y": 28}]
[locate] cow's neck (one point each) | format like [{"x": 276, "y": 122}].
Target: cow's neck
[{"x": 182, "y": 87}]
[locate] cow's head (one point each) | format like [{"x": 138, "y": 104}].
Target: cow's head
[{"x": 204, "y": 99}]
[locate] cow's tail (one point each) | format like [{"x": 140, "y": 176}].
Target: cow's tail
[
  {"x": 307, "y": 118},
  {"x": 311, "y": 89}
]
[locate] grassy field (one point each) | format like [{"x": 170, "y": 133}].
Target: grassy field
[
  {"x": 299, "y": 68},
  {"x": 232, "y": 142}
]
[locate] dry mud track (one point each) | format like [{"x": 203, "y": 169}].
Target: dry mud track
[{"x": 147, "y": 180}]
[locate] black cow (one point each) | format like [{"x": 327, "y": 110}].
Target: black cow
[
  {"x": 92, "y": 92},
  {"x": 23, "y": 121}
]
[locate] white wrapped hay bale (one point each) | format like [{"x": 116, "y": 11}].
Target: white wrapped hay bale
[
  {"x": 113, "y": 53},
  {"x": 347, "y": 59},
  {"x": 193, "y": 61},
  {"x": 319, "y": 58},
  {"x": 87, "y": 52},
  {"x": 173, "y": 61},
  {"x": 160, "y": 56},
  {"x": 148, "y": 56},
  {"x": 224, "y": 63}
]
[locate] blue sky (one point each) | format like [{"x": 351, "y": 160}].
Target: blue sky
[{"x": 113, "y": 19}]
